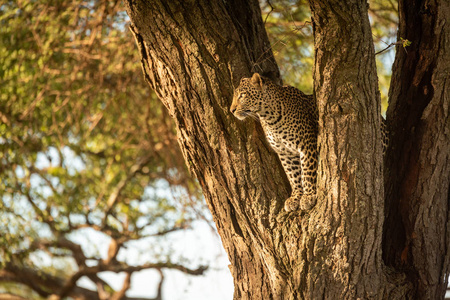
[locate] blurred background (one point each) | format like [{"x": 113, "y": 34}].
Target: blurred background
[{"x": 95, "y": 196}]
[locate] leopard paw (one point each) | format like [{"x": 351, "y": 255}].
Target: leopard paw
[
  {"x": 292, "y": 203},
  {"x": 307, "y": 201}
]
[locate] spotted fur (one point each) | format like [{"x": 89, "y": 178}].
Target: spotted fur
[{"x": 290, "y": 121}]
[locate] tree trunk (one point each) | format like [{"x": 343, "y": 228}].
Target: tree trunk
[
  {"x": 417, "y": 229},
  {"x": 350, "y": 169},
  {"x": 193, "y": 54}
]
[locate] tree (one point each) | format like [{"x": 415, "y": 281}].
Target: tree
[
  {"x": 80, "y": 159},
  {"x": 417, "y": 235},
  {"x": 350, "y": 245}
]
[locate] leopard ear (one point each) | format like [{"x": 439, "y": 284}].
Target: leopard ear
[{"x": 256, "y": 81}]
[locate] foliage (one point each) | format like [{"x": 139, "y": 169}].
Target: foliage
[
  {"x": 289, "y": 28},
  {"x": 84, "y": 145}
]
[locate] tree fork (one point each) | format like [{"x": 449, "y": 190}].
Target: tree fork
[{"x": 193, "y": 55}]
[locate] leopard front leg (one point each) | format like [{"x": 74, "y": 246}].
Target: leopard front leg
[
  {"x": 292, "y": 167},
  {"x": 308, "y": 159}
]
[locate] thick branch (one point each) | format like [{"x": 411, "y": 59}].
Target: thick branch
[
  {"x": 117, "y": 267},
  {"x": 45, "y": 285}
]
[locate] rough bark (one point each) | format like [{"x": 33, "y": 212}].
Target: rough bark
[
  {"x": 417, "y": 232},
  {"x": 350, "y": 168},
  {"x": 193, "y": 53}
]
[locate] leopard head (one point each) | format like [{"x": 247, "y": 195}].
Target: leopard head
[{"x": 247, "y": 98}]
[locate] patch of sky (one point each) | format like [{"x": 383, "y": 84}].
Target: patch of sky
[
  {"x": 194, "y": 247},
  {"x": 94, "y": 243},
  {"x": 40, "y": 189},
  {"x": 20, "y": 173},
  {"x": 122, "y": 21},
  {"x": 44, "y": 260},
  {"x": 178, "y": 247},
  {"x": 73, "y": 162}
]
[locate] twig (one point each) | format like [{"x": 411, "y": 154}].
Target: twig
[
  {"x": 389, "y": 46},
  {"x": 261, "y": 58},
  {"x": 271, "y": 10}
]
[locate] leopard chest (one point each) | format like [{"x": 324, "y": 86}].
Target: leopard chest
[{"x": 283, "y": 136}]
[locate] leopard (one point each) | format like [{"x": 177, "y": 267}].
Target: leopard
[{"x": 289, "y": 119}]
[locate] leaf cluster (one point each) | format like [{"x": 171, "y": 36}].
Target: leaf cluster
[{"x": 84, "y": 144}]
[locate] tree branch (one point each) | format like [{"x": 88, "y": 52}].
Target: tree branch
[
  {"x": 126, "y": 285},
  {"x": 42, "y": 283},
  {"x": 117, "y": 267},
  {"x": 112, "y": 200},
  {"x": 389, "y": 46},
  {"x": 63, "y": 242}
]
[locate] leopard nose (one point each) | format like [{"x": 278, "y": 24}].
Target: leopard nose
[{"x": 232, "y": 109}]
